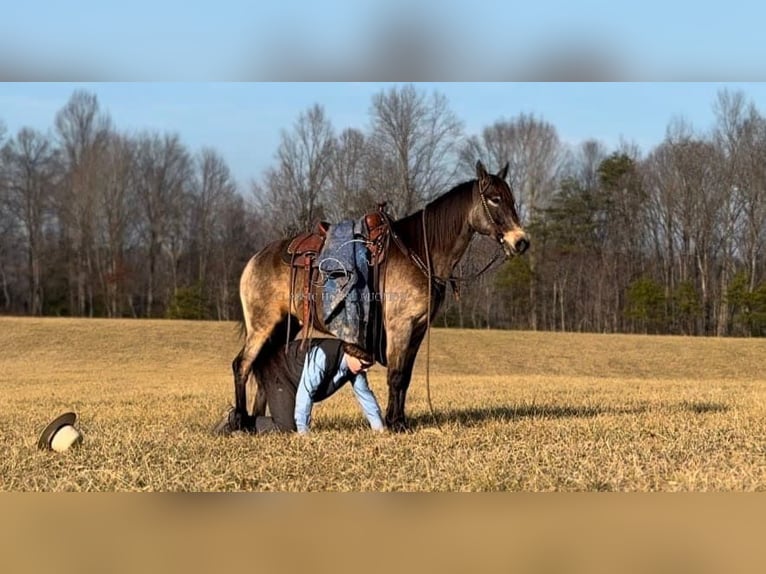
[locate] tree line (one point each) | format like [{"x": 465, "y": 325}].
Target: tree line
[{"x": 95, "y": 221}]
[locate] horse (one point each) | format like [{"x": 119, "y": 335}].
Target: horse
[{"x": 428, "y": 245}]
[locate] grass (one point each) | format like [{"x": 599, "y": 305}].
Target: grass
[{"x": 514, "y": 411}]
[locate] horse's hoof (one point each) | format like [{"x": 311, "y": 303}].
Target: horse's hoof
[{"x": 398, "y": 427}]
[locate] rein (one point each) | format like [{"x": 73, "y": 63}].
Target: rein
[
  {"x": 428, "y": 325},
  {"x": 409, "y": 253}
]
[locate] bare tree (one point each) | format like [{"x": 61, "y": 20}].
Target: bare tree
[
  {"x": 620, "y": 232},
  {"x": 305, "y": 157},
  {"x": 754, "y": 200},
  {"x": 238, "y": 233},
  {"x": 214, "y": 186},
  {"x": 269, "y": 196},
  {"x": 30, "y": 170},
  {"x": 349, "y": 193},
  {"x": 7, "y": 227},
  {"x": 658, "y": 175},
  {"x": 589, "y": 157},
  {"x": 83, "y": 132},
  {"x": 574, "y": 236},
  {"x": 115, "y": 211},
  {"x": 688, "y": 195},
  {"x": 164, "y": 170},
  {"x": 417, "y": 137},
  {"x": 741, "y": 132},
  {"x": 730, "y": 111}
]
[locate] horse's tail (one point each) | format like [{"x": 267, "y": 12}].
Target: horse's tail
[
  {"x": 239, "y": 327},
  {"x": 239, "y": 323}
]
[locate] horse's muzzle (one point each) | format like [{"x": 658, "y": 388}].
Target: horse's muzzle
[
  {"x": 522, "y": 245},
  {"x": 518, "y": 248}
]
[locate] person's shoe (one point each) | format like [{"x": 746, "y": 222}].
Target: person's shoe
[{"x": 228, "y": 424}]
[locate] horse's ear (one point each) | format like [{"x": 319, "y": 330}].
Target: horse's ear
[
  {"x": 503, "y": 173},
  {"x": 481, "y": 171}
]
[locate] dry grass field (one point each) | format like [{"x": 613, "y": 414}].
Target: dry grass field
[{"x": 515, "y": 411}]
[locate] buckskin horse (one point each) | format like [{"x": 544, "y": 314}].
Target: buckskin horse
[{"x": 427, "y": 246}]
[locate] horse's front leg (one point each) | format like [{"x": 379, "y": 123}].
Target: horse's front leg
[
  {"x": 401, "y": 360},
  {"x": 398, "y": 383}
]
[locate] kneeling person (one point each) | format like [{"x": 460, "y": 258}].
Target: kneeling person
[{"x": 308, "y": 373}]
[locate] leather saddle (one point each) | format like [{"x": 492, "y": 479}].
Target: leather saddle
[{"x": 303, "y": 249}]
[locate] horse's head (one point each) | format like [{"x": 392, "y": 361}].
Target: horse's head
[{"x": 495, "y": 213}]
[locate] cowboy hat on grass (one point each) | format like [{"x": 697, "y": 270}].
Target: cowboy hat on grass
[{"x": 61, "y": 434}]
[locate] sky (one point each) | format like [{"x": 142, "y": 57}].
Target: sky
[
  {"x": 244, "y": 121},
  {"x": 371, "y": 39},
  {"x": 211, "y": 71}
]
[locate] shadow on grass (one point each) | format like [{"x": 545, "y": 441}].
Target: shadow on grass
[
  {"x": 703, "y": 407},
  {"x": 477, "y": 416}
]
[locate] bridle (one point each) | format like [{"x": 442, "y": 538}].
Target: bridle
[
  {"x": 424, "y": 267},
  {"x": 483, "y": 196}
]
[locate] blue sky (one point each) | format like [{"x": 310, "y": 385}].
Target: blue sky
[
  {"x": 243, "y": 121},
  {"x": 158, "y": 43},
  {"x": 468, "y": 40}
]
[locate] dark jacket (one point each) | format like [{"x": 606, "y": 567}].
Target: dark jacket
[{"x": 286, "y": 366}]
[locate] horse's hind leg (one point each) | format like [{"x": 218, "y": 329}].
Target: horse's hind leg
[
  {"x": 285, "y": 329},
  {"x": 250, "y": 399},
  {"x": 262, "y": 289},
  {"x": 268, "y": 336},
  {"x": 243, "y": 389}
]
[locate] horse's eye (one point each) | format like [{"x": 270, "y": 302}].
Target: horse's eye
[{"x": 493, "y": 201}]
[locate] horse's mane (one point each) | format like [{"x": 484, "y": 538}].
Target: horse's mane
[{"x": 445, "y": 217}]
